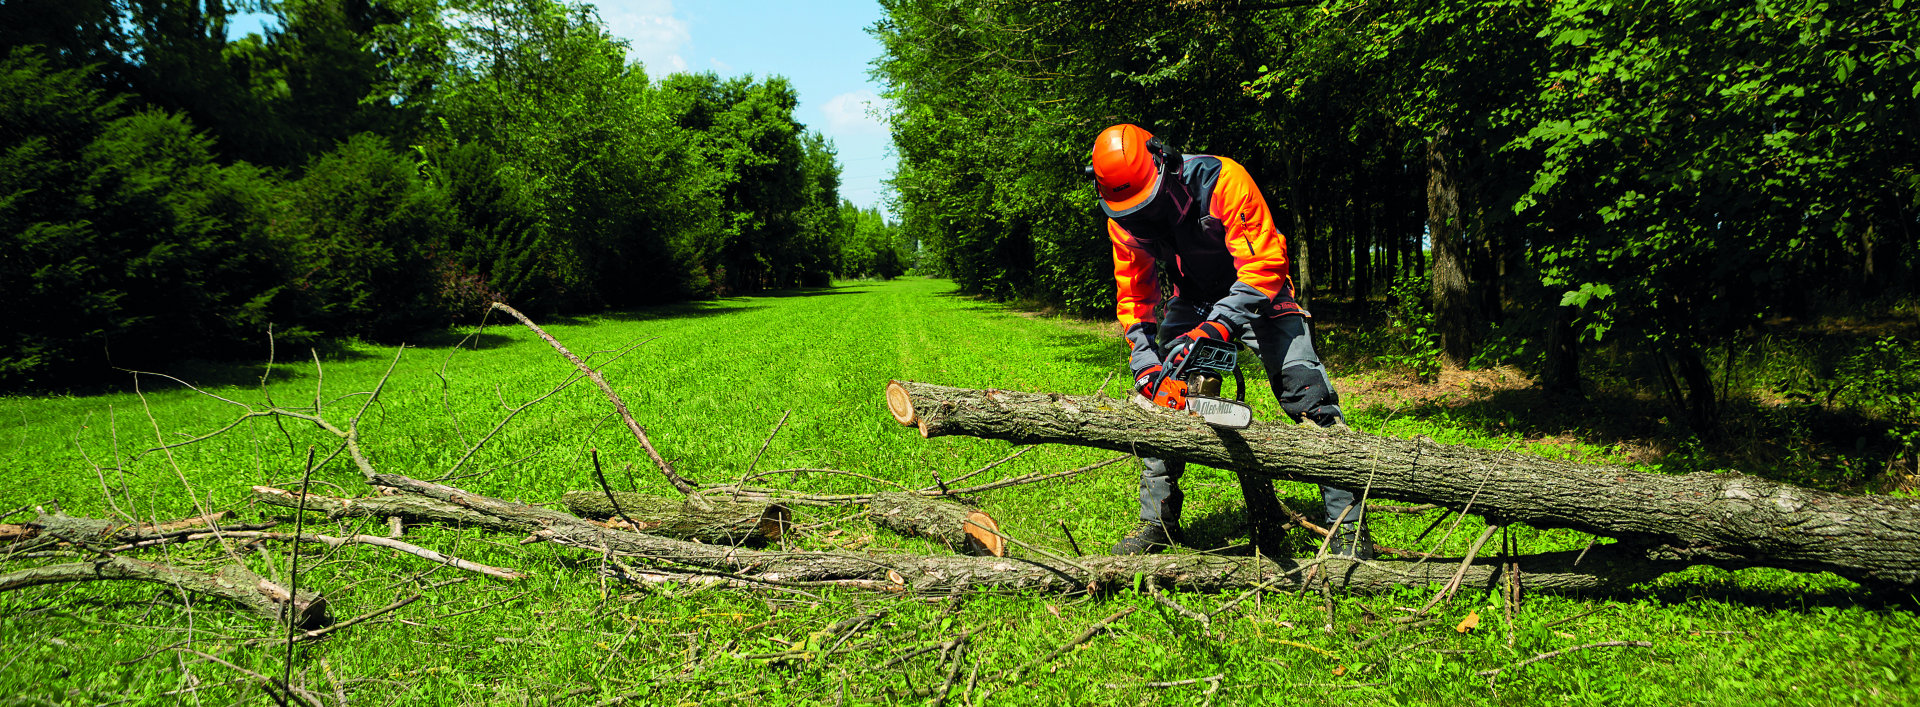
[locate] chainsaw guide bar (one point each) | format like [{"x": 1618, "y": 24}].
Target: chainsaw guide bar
[{"x": 1218, "y": 412}]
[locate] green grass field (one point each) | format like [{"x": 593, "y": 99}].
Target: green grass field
[{"x": 710, "y": 381}]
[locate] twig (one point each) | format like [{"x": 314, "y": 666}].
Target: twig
[
  {"x": 1411, "y": 646},
  {"x": 953, "y": 674},
  {"x": 15, "y": 512},
  {"x": 1170, "y": 683},
  {"x": 1575, "y": 617},
  {"x": 318, "y": 632},
  {"x": 292, "y": 692},
  {"x": 1463, "y": 514},
  {"x": 1453, "y": 584},
  {"x": 763, "y": 448},
  {"x": 1295, "y": 518},
  {"x": 1153, "y": 589},
  {"x": 976, "y": 472},
  {"x": 968, "y": 523},
  {"x": 1084, "y": 636},
  {"x": 1070, "y": 540},
  {"x": 293, "y": 563},
  {"x": 946, "y": 645},
  {"x": 1397, "y": 628},
  {"x": 512, "y": 412},
  {"x": 1510, "y": 566},
  {"x": 608, "y": 490},
  {"x": 388, "y": 543},
  {"x": 684, "y": 485},
  {"x": 483, "y": 607},
  {"x": 1583, "y": 551},
  {"x": 1494, "y": 674},
  {"x": 854, "y": 499}
]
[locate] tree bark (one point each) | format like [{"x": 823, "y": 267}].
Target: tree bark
[
  {"x": 1455, "y": 307},
  {"x": 726, "y": 523},
  {"x": 1723, "y": 519},
  {"x": 233, "y": 583},
  {"x": 960, "y": 528},
  {"x": 1604, "y": 569}
]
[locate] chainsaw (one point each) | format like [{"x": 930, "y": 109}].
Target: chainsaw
[{"x": 1193, "y": 385}]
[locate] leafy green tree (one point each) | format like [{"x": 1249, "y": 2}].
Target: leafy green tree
[
  {"x": 1709, "y": 162},
  {"x": 365, "y": 222},
  {"x": 496, "y": 227},
  {"x": 870, "y": 245},
  {"x": 127, "y": 243}
]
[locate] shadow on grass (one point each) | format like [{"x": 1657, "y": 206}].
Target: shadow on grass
[
  {"x": 1759, "y": 588},
  {"x": 1834, "y": 450},
  {"x": 664, "y": 312},
  {"x": 463, "y": 338}
]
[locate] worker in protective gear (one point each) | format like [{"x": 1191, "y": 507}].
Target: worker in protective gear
[{"x": 1199, "y": 222}]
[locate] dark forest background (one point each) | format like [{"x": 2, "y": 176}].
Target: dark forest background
[
  {"x": 369, "y": 168},
  {"x": 1683, "y": 188}
]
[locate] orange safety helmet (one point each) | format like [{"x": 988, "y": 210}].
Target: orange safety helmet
[{"x": 1127, "y": 167}]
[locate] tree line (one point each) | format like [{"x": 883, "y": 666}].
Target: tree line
[
  {"x": 1664, "y": 174},
  {"x": 370, "y": 167}
]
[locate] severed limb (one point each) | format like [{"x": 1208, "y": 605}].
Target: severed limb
[
  {"x": 684, "y": 485},
  {"x": 233, "y": 583},
  {"x": 1607, "y": 568},
  {"x": 376, "y": 540}
]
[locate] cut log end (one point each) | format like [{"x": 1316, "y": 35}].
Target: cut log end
[
  {"x": 775, "y": 521},
  {"x": 901, "y": 404},
  {"x": 984, "y": 533}
]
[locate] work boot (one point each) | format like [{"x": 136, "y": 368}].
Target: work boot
[
  {"x": 1351, "y": 540},
  {"x": 1145, "y": 538}
]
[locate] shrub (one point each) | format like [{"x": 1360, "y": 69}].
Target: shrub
[
  {"x": 366, "y": 223},
  {"x": 126, "y": 244}
]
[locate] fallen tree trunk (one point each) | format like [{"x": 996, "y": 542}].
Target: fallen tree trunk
[
  {"x": 1723, "y": 519},
  {"x": 233, "y": 583},
  {"x": 1601, "y": 570},
  {"x": 960, "y": 528},
  {"x": 724, "y": 523}
]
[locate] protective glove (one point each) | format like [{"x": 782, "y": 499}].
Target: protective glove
[
  {"x": 1147, "y": 381},
  {"x": 1183, "y": 344},
  {"x": 1145, "y": 358}
]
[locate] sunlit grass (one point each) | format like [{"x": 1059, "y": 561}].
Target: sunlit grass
[{"x": 710, "y": 381}]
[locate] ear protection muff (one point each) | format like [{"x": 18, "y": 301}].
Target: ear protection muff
[{"x": 1170, "y": 159}]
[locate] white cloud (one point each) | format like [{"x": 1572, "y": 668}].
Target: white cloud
[
  {"x": 655, "y": 34},
  {"x": 856, "y": 113}
]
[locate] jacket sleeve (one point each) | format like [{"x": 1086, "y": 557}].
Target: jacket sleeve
[
  {"x": 1139, "y": 285},
  {"x": 1138, "y": 279},
  {"x": 1263, "y": 272}
]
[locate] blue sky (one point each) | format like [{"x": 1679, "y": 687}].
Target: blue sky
[{"x": 822, "y": 47}]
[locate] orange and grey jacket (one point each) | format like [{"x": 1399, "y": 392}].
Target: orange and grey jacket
[{"x": 1226, "y": 252}]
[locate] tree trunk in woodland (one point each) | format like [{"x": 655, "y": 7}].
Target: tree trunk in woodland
[
  {"x": 1727, "y": 520},
  {"x": 1297, "y": 240},
  {"x": 960, "y": 528},
  {"x": 727, "y": 523},
  {"x": 1455, "y": 307},
  {"x": 1561, "y": 373}
]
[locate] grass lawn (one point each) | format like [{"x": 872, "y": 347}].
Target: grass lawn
[{"x": 711, "y": 381}]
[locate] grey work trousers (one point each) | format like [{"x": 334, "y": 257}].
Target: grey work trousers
[{"x": 1298, "y": 380}]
